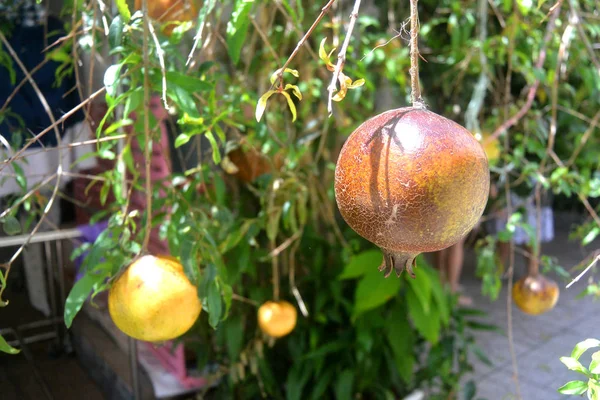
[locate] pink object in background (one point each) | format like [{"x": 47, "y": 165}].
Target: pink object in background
[
  {"x": 173, "y": 360},
  {"x": 159, "y": 167}
]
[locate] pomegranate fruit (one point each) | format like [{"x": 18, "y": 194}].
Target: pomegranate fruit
[
  {"x": 277, "y": 318},
  {"x": 535, "y": 294},
  {"x": 411, "y": 181}
]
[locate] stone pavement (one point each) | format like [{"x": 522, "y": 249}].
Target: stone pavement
[{"x": 539, "y": 341}]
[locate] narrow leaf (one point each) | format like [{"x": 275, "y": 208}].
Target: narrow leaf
[
  {"x": 291, "y": 105},
  {"x": 573, "y": 387},
  {"x": 79, "y": 293},
  {"x": 6, "y": 348},
  {"x": 582, "y": 347},
  {"x": 262, "y": 104},
  {"x": 574, "y": 365}
]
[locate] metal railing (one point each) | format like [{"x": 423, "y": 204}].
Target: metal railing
[{"x": 55, "y": 280}]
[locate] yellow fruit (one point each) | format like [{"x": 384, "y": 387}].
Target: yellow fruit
[
  {"x": 492, "y": 147},
  {"x": 153, "y": 300},
  {"x": 277, "y": 319},
  {"x": 535, "y": 295}
]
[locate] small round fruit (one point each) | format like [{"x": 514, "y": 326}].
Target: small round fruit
[
  {"x": 535, "y": 295},
  {"x": 277, "y": 318},
  {"x": 411, "y": 181},
  {"x": 491, "y": 147},
  {"x": 153, "y": 300},
  {"x": 171, "y": 11}
]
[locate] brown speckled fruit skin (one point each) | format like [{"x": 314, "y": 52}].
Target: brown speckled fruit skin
[{"x": 411, "y": 181}]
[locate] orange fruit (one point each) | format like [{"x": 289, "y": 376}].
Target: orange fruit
[
  {"x": 535, "y": 295},
  {"x": 277, "y": 318},
  {"x": 153, "y": 300},
  {"x": 171, "y": 11}
]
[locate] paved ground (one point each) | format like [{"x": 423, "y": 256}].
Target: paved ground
[{"x": 539, "y": 341}]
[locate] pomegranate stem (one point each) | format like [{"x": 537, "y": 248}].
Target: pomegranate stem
[{"x": 414, "y": 55}]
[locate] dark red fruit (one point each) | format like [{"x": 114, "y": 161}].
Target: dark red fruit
[{"x": 411, "y": 181}]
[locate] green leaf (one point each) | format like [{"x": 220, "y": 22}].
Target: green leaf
[
  {"x": 322, "y": 384},
  {"x": 400, "y": 336},
  {"x": 6, "y": 348},
  {"x": 20, "y": 176},
  {"x": 183, "y": 99},
  {"x": 111, "y": 78},
  {"x": 296, "y": 380},
  {"x": 373, "y": 291},
  {"x": 262, "y": 104},
  {"x": 187, "y": 254},
  {"x": 216, "y": 154},
  {"x": 11, "y": 225},
  {"x": 438, "y": 292},
  {"x": 237, "y": 28},
  {"x": 573, "y": 387},
  {"x": 595, "y": 363},
  {"x": 234, "y": 334},
  {"x": 235, "y": 236},
  {"x": 182, "y": 139},
  {"x": 582, "y": 347},
  {"x": 591, "y": 236},
  {"x": 80, "y": 292},
  {"x": 115, "y": 32},
  {"x": 422, "y": 290},
  {"x": 344, "y": 385},
  {"x": 190, "y": 83},
  {"x": 123, "y": 9},
  {"x": 362, "y": 263},
  {"x": 215, "y": 304},
  {"x": 574, "y": 365},
  {"x": 227, "y": 297},
  {"x": 427, "y": 323}
]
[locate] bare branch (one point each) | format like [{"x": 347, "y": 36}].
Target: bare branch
[{"x": 342, "y": 56}]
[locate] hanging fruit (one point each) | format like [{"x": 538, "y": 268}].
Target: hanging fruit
[
  {"x": 153, "y": 300},
  {"x": 171, "y": 11},
  {"x": 277, "y": 318},
  {"x": 411, "y": 181},
  {"x": 535, "y": 294}
]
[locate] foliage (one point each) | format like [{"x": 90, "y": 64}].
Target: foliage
[
  {"x": 591, "y": 373},
  {"x": 243, "y": 243}
]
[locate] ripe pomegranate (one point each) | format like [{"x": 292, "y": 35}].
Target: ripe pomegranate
[
  {"x": 411, "y": 181},
  {"x": 535, "y": 294}
]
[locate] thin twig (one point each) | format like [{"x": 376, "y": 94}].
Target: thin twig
[
  {"x": 292, "y": 278},
  {"x": 511, "y": 268},
  {"x": 578, "y": 277},
  {"x": 342, "y": 56},
  {"x": 67, "y": 115},
  {"x": 148, "y": 137},
  {"x": 161, "y": 60},
  {"x": 533, "y": 88},
  {"x": 415, "y": 94},
  {"x": 264, "y": 38},
  {"x": 586, "y": 135},
  {"x": 48, "y": 111},
  {"x": 197, "y": 38},
  {"x": 586, "y": 41},
  {"x": 479, "y": 91},
  {"x": 301, "y": 42}
]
